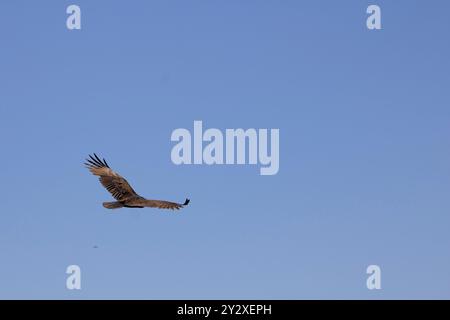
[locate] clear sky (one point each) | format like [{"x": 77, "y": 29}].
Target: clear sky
[{"x": 364, "y": 149}]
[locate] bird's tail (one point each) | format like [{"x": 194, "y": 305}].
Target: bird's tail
[{"x": 112, "y": 205}]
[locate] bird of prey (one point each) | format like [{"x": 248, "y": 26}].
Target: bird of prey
[{"x": 121, "y": 190}]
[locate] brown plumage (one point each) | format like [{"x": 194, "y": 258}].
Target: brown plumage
[{"x": 121, "y": 190}]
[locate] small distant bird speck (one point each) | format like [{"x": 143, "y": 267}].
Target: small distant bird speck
[{"x": 122, "y": 191}]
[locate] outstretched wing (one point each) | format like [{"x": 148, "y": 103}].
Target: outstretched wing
[
  {"x": 119, "y": 188},
  {"x": 164, "y": 204}
]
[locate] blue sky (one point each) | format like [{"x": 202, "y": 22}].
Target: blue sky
[{"x": 364, "y": 149}]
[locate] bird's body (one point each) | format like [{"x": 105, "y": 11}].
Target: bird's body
[{"x": 121, "y": 190}]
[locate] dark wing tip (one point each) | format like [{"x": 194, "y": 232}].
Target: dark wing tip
[
  {"x": 186, "y": 202},
  {"x": 95, "y": 160}
]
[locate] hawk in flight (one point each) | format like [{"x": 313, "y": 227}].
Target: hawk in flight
[{"x": 122, "y": 191}]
